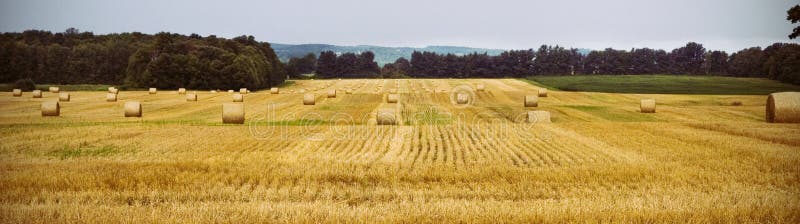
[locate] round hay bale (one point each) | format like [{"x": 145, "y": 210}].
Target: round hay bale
[
  {"x": 51, "y": 108},
  {"x": 111, "y": 97},
  {"x": 392, "y": 98},
  {"x": 17, "y": 92},
  {"x": 538, "y": 116},
  {"x": 480, "y": 87},
  {"x": 191, "y": 97},
  {"x": 243, "y": 91},
  {"x": 736, "y": 103},
  {"x": 332, "y": 93},
  {"x": 542, "y": 92},
  {"x": 233, "y": 113},
  {"x": 386, "y": 116},
  {"x": 133, "y": 109},
  {"x": 531, "y": 101},
  {"x": 648, "y": 106},
  {"x": 274, "y": 90},
  {"x": 182, "y": 91},
  {"x": 230, "y": 91},
  {"x": 213, "y": 91},
  {"x": 63, "y": 97},
  {"x": 238, "y": 97},
  {"x": 309, "y": 99},
  {"x": 54, "y": 89},
  {"x": 37, "y": 93},
  {"x": 783, "y": 107},
  {"x": 152, "y": 90},
  {"x": 462, "y": 98}
]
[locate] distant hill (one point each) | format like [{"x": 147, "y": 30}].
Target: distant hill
[{"x": 383, "y": 55}]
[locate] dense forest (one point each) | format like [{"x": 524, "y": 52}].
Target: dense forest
[
  {"x": 347, "y": 65},
  {"x": 137, "y": 60}
]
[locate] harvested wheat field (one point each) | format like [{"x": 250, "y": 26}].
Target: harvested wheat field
[{"x": 696, "y": 159}]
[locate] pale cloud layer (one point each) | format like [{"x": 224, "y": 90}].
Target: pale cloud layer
[{"x": 718, "y": 24}]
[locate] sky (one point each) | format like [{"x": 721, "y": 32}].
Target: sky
[{"x": 729, "y": 25}]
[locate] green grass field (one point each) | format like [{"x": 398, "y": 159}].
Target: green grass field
[{"x": 666, "y": 84}]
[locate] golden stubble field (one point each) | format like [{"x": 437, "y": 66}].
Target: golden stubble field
[{"x": 697, "y": 159}]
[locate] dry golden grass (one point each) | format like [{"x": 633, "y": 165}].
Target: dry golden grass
[{"x": 697, "y": 160}]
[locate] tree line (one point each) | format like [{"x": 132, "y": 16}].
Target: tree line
[
  {"x": 780, "y": 61},
  {"x": 167, "y": 60},
  {"x": 137, "y": 60}
]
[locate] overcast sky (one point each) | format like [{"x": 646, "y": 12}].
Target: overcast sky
[{"x": 718, "y": 24}]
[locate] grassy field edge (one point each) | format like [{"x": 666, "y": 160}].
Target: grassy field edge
[{"x": 663, "y": 84}]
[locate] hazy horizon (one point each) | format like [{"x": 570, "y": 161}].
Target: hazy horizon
[{"x": 619, "y": 24}]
